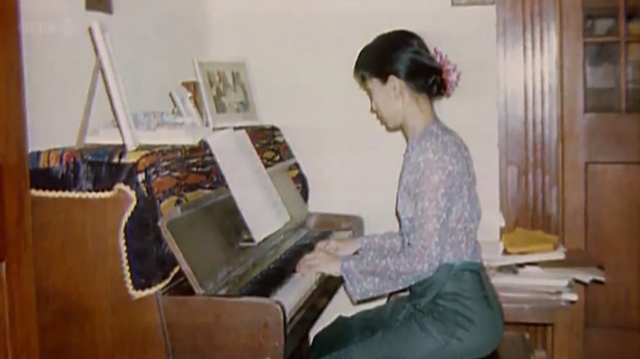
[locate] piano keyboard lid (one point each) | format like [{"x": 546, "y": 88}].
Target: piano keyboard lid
[{"x": 206, "y": 235}]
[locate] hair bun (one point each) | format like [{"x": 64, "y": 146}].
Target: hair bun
[
  {"x": 450, "y": 72},
  {"x": 436, "y": 86}
]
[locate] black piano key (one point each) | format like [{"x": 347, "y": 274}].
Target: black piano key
[{"x": 269, "y": 280}]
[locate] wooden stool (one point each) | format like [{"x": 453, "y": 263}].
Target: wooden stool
[{"x": 515, "y": 346}]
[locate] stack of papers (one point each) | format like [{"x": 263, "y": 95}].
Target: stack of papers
[{"x": 536, "y": 269}]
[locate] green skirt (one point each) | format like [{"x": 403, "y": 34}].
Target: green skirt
[{"x": 454, "y": 314}]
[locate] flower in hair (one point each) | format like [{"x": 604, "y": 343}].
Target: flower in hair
[{"x": 450, "y": 71}]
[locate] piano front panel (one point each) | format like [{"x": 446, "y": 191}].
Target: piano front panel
[{"x": 201, "y": 327}]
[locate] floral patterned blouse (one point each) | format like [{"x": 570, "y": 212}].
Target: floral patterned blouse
[{"x": 439, "y": 213}]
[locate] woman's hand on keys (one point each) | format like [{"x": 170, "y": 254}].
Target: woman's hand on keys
[{"x": 340, "y": 247}]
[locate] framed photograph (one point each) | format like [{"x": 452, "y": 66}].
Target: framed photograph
[
  {"x": 226, "y": 93},
  {"x": 472, "y": 2}
]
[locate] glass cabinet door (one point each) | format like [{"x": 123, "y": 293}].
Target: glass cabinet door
[{"x": 611, "y": 56}]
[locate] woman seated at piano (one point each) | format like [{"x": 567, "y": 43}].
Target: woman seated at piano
[{"x": 451, "y": 309}]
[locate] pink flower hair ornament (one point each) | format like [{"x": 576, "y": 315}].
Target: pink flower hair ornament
[{"x": 450, "y": 71}]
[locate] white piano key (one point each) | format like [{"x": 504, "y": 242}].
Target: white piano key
[
  {"x": 295, "y": 291},
  {"x": 344, "y": 234},
  {"x": 299, "y": 287}
]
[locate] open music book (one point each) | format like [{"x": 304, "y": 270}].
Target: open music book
[{"x": 249, "y": 183}]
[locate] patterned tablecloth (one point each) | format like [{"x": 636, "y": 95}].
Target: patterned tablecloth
[{"x": 161, "y": 177}]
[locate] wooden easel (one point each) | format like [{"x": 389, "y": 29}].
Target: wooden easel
[{"x": 104, "y": 64}]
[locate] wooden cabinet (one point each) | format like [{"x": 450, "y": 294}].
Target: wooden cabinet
[
  {"x": 529, "y": 136},
  {"x": 601, "y": 123},
  {"x": 17, "y": 295},
  {"x": 570, "y": 154}
]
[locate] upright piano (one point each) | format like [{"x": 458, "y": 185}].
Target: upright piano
[
  {"x": 246, "y": 301},
  {"x": 101, "y": 218}
]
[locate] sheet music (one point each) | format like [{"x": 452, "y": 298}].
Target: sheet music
[{"x": 249, "y": 183}]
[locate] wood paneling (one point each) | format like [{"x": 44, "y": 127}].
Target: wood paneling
[
  {"x": 628, "y": 344},
  {"x": 612, "y": 317},
  {"x": 613, "y": 232},
  {"x": 4, "y": 325},
  {"x": 529, "y": 111},
  {"x": 528, "y": 39},
  {"x": 15, "y": 233}
]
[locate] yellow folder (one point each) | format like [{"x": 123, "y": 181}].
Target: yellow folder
[{"x": 522, "y": 240}]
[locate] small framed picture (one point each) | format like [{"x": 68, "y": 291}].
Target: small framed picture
[
  {"x": 472, "y": 2},
  {"x": 226, "y": 93}
]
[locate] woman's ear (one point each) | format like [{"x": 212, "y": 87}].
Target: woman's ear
[
  {"x": 400, "y": 90},
  {"x": 395, "y": 86}
]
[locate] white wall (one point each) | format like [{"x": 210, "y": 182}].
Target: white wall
[{"x": 300, "y": 55}]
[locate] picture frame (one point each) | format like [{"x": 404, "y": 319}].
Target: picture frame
[
  {"x": 105, "y": 65},
  {"x": 129, "y": 128},
  {"x": 226, "y": 93},
  {"x": 472, "y": 2}
]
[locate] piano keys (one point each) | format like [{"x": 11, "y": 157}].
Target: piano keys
[
  {"x": 246, "y": 301},
  {"x": 279, "y": 280}
]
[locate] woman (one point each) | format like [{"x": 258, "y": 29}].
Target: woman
[{"x": 451, "y": 310}]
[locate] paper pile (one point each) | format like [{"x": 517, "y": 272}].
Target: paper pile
[{"x": 536, "y": 269}]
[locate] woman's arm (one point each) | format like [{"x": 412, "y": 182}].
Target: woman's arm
[
  {"x": 381, "y": 242},
  {"x": 392, "y": 267}
]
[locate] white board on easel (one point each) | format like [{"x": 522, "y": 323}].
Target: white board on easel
[{"x": 105, "y": 65}]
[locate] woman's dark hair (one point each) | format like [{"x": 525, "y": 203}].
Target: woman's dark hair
[{"x": 405, "y": 55}]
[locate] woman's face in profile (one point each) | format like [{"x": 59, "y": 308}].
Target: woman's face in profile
[{"x": 384, "y": 104}]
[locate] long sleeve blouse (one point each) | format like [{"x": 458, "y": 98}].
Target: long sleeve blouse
[{"x": 439, "y": 213}]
